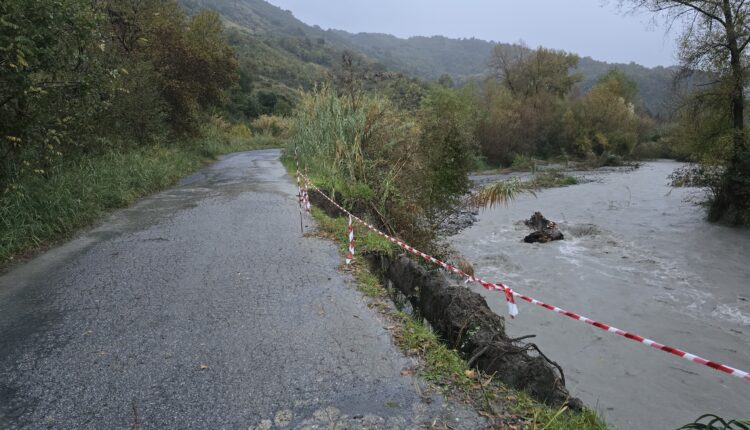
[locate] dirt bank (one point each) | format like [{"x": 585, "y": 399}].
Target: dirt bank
[{"x": 466, "y": 323}]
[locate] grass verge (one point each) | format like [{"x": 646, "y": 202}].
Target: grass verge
[
  {"x": 442, "y": 367},
  {"x": 37, "y": 210}
]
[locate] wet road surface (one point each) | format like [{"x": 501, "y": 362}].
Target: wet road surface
[{"x": 202, "y": 307}]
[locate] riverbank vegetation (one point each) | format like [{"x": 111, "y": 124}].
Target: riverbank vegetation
[
  {"x": 710, "y": 125},
  {"x": 401, "y": 153},
  {"x": 408, "y": 170},
  {"x": 534, "y": 103},
  {"x": 528, "y": 109}
]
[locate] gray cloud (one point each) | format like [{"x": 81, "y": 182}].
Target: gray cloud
[{"x": 586, "y": 27}]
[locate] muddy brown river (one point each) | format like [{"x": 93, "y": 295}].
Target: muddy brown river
[{"x": 640, "y": 257}]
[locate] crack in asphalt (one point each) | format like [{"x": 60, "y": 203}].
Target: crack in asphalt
[{"x": 202, "y": 307}]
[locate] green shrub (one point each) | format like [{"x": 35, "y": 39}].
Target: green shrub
[
  {"x": 404, "y": 170},
  {"x": 367, "y": 153}
]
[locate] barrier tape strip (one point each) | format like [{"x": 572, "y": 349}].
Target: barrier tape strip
[
  {"x": 302, "y": 186},
  {"x": 305, "y": 193},
  {"x": 350, "y": 255},
  {"x": 509, "y": 295},
  {"x": 513, "y": 309},
  {"x": 299, "y": 182}
]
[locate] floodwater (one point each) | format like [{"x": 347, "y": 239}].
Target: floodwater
[{"x": 640, "y": 257}]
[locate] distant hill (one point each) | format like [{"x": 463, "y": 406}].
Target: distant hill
[
  {"x": 276, "y": 33},
  {"x": 425, "y": 57},
  {"x": 286, "y": 52},
  {"x": 431, "y": 57},
  {"x": 654, "y": 84}
]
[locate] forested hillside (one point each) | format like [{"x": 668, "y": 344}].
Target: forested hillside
[
  {"x": 426, "y": 57},
  {"x": 294, "y": 53},
  {"x": 277, "y": 54}
]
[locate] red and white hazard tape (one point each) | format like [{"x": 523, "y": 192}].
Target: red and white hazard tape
[
  {"x": 509, "y": 294},
  {"x": 299, "y": 182},
  {"x": 302, "y": 187},
  {"x": 350, "y": 255},
  {"x": 513, "y": 309},
  {"x": 305, "y": 192}
]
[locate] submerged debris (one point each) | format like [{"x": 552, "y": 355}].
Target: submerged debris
[{"x": 544, "y": 229}]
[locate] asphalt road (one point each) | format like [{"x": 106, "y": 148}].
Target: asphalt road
[{"x": 202, "y": 307}]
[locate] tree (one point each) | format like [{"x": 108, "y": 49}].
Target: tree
[
  {"x": 405, "y": 92},
  {"x": 81, "y": 76},
  {"x": 192, "y": 63},
  {"x": 349, "y": 76},
  {"x": 715, "y": 38},
  {"x": 446, "y": 81},
  {"x": 446, "y": 120},
  {"x": 48, "y": 81},
  {"x": 537, "y": 83},
  {"x": 529, "y": 73},
  {"x": 499, "y": 126},
  {"x": 214, "y": 66},
  {"x": 618, "y": 83},
  {"x": 603, "y": 120}
]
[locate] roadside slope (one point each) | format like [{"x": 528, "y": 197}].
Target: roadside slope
[{"x": 201, "y": 307}]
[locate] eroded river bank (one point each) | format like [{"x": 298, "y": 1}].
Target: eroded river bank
[{"x": 637, "y": 256}]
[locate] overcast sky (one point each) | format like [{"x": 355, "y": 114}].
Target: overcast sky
[{"x": 594, "y": 28}]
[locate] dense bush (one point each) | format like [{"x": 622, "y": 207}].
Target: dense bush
[
  {"x": 80, "y": 77},
  {"x": 101, "y": 102},
  {"x": 404, "y": 170},
  {"x": 449, "y": 150},
  {"x": 703, "y": 134}
]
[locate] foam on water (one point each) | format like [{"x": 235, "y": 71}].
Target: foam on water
[{"x": 732, "y": 313}]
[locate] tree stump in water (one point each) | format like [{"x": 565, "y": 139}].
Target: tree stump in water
[{"x": 544, "y": 230}]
